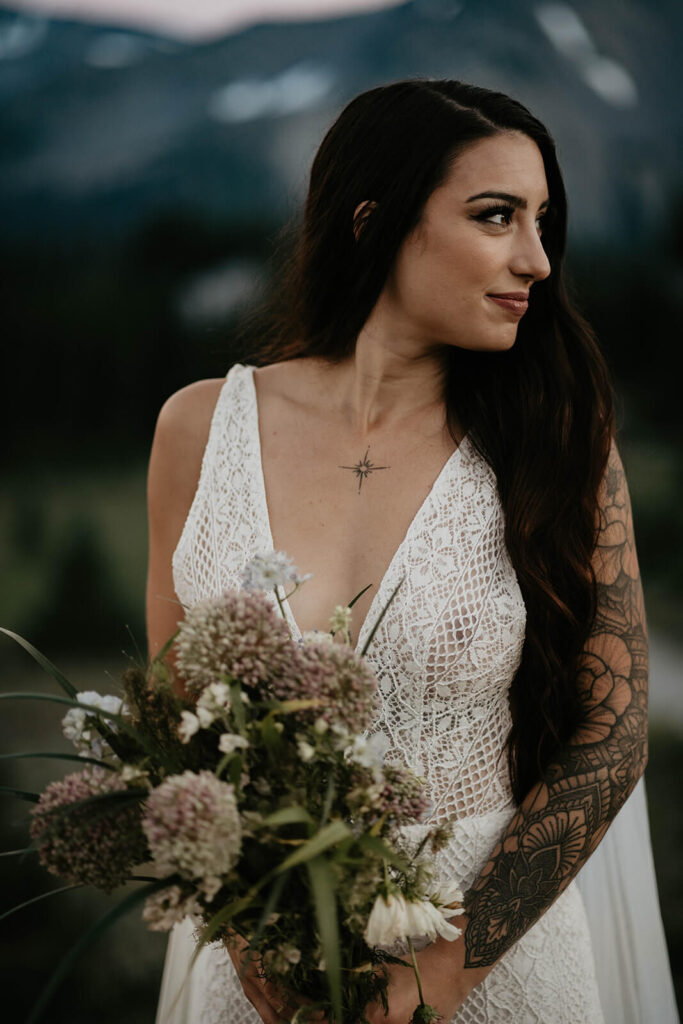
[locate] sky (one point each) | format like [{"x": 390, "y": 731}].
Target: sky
[{"x": 195, "y": 19}]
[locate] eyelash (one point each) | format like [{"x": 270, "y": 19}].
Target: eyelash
[{"x": 508, "y": 211}]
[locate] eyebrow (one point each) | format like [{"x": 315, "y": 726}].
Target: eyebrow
[{"x": 516, "y": 201}]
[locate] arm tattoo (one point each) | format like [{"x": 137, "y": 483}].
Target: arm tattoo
[{"x": 565, "y": 815}]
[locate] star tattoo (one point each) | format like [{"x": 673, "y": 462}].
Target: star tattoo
[{"x": 363, "y": 468}]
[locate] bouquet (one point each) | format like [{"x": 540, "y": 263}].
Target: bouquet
[{"x": 259, "y": 802}]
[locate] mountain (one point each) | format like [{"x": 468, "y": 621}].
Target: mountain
[{"x": 103, "y": 128}]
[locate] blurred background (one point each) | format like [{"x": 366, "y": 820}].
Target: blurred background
[{"x": 150, "y": 150}]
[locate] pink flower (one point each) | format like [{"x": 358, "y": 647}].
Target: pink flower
[
  {"x": 193, "y": 827},
  {"x": 335, "y": 675},
  {"x": 94, "y": 845},
  {"x": 238, "y": 634}
]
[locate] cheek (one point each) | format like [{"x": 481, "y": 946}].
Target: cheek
[{"x": 449, "y": 274}]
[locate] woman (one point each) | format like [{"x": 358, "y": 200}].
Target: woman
[{"x": 429, "y": 405}]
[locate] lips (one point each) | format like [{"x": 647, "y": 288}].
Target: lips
[{"x": 513, "y": 305}]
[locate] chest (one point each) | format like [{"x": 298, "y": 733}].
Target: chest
[{"x": 340, "y": 510}]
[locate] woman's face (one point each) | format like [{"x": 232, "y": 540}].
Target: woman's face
[{"x": 465, "y": 249}]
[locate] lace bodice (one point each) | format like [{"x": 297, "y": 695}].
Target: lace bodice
[
  {"x": 444, "y": 655},
  {"x": 450, "y": 643}
]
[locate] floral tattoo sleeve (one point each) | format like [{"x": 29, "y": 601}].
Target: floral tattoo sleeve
[{"x": 566, "y": 814}]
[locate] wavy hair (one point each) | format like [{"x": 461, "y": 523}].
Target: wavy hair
[{"x": 540, "y": 413}]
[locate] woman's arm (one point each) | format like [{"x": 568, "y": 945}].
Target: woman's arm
[
  {"x": 563, "y": 818},
  {"x": 180, "y": 437}
]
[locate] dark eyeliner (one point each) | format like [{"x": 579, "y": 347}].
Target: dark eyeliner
[{"x": 508, "y": 211}]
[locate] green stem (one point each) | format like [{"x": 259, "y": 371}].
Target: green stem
[
  {"x": 417, "y": 973},
  {"x": 282, "y": 608}
]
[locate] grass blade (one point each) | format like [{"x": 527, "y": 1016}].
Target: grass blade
[
  {"x": 381, "y": 616},
  {"x": 332, "y": 834},
  {"x": 61, "y": 757},
  {"x": 21, "y": 793},
  {"x": 37, "y": 899},
  {"x": 44, "y": 662},
  {"x": 92, "y": 934},
  {"x": 325, "y": 899}
]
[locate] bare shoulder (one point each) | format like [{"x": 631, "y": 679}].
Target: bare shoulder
[
  {"x": 180, "y": 437},
  {"x": 186, "y": 414}
]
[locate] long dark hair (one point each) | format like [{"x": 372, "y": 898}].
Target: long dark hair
[{"x": 540, "y": 413}]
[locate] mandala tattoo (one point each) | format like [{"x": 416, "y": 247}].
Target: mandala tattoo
[
  {"x": 565, "y": 815},
  {"x": 363, "y": 468}
]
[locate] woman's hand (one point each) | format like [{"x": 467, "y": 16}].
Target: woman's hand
[
  {"x": 273, "y": 1004},
  {"x": 445, "y": 983}
]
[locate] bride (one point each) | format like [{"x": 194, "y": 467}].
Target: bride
[{"x": 428, "y": 405}]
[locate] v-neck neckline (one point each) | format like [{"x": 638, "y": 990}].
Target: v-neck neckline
[{"x": 375, "y": 609}]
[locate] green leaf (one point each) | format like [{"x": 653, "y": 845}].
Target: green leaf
[
  {"x": 359, "y": 594},
  {"x": 43, "y": 662},
  {"x": 110, "y": 715},
  {"x": 236, "y": 704},
  {"x": 98, "y": 801},
  {"x": 92, "y": 934},
  {"x": 271, "y": 737},
  {"x": 325, "y": 900},
  {"x": 381, "y": 616},
  {"x": 36, "y": 899},
  {"x": 167, "y": 646},
  {"x": 62, "y": 757},
  {"x": 122, "y": 722},
  {"x": 21, "y": 793},
  {"x": 15, "y": 853},
  {"x": 376, "y": 845},
  {"x": 288, "y": 816},
  {"x": 333, "y": 833}
]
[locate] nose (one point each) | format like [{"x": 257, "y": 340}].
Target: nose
[{"x": 529, "y": 257}]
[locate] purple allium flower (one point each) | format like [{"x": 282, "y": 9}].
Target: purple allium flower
[
  {"x": 92, "y": 846},
  {"x": 239, "y": 634},
  {"x": 336, "y": 675},
  {"x": 396, "y": 793},
  {"x": 193, "y": 828}
]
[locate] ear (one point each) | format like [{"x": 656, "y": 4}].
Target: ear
[{"x": 361, "y": 214}]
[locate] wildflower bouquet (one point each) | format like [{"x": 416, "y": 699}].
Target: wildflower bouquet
[{"x": 258, "y": 802}]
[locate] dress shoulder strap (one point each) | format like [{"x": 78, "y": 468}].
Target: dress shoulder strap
[{"x": 199, "y": 559}]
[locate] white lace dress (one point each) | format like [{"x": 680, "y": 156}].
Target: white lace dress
[{"x": 445, "y": 654}]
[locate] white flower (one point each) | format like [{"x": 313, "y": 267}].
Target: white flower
[
  {"x": 320, "y": 725},
  {"x": 388, "y": 921},
  {"x": 306, "y": 751},
  {"x": 213, "y": 703},
  {"x": 168, "y": 907},
  {"x": 368, "y": 751},
  {"x": 396, "y": 919},
  {"x": 447, "y": 895},
  {"x": 314, "y": 636},
  {"x": 265, "y": 572},
  {"x": 340, "y": 618},
  {"x": 282, "y": 958},
  {"x": 188, "y": 727},
  {"x": 230, "y": 742},
  {"x": 425, "y": 920},
  {"x": 129, "y": 773},
  {"x": 84, "y": 736}
]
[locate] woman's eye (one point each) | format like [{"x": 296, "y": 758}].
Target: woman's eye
[
  {"x": 506, "y": 213},
  {"x": 503, "y": 211}
]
